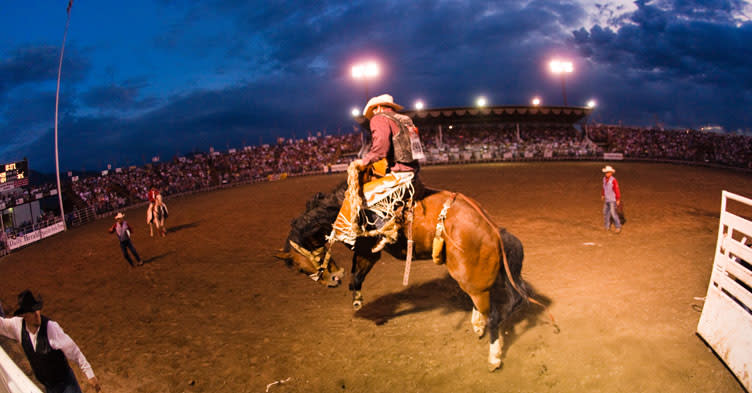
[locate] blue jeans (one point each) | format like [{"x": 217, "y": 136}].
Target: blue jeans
[
  {"x": 127, "y": 245},
  {"x": 609, "y": 213}
]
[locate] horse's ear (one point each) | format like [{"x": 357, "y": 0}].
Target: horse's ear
[{"x": 314, "y": 201}]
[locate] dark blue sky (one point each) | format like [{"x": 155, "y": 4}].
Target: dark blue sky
[{"x": 149, "y": 77}]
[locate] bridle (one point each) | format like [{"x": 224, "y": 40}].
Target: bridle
[{"x": 313, "y": 257}]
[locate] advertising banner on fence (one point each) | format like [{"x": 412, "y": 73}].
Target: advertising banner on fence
[
  {"x": 613, "y": 156},
  {"x": 36, "y": 235}
]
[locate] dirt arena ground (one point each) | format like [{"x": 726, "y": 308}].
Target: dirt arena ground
[{"x": 214, "y": 311}]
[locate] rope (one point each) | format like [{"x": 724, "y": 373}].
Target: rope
[{"x": 504, "y": 258}]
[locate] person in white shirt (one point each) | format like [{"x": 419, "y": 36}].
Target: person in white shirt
[{"x": 47, "y": 347}]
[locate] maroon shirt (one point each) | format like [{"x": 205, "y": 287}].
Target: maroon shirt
[{"x": 382, "y": 129}]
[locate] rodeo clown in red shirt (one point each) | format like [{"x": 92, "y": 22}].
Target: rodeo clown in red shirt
[
  {"x": 611, "y": 197},
  {"x": 393, "y": 161}
]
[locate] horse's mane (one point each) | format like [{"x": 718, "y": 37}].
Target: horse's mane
[{"x": 321, "y": 211}]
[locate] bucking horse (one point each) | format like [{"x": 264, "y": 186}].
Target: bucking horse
[{"x": 448, "y": 228}]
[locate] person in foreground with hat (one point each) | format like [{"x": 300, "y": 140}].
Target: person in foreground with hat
[
  {"x": 611, "y": 196},
  {"x": 123, "y": 232},
  {"x": 47, "y": 347},
  {"x": 393, "y": 159}
]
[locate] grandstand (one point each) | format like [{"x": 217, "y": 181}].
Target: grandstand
[{"x": 450, "y": 135}]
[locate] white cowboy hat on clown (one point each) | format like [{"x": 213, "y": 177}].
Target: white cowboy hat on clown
[
  {"x": 119, "y": 216},
  {"x": 607, "y": 169},
  {"x": 385, "y": 100}
]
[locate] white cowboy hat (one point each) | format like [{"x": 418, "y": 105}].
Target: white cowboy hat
[
  {"x": 119, "y": 216},
  {"x": 384, "y": 99},
  {"x": 608, "y": 168}
]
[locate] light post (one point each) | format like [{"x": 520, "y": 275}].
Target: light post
[
  {"x": 591, "y": 105},
  {"x": 419, "y": 105},
  {"x": 365, "y": 71},
  {"x": 536, "y": 101},
  {"x": 57, "y": 103},
  {"x": 562, "y": 67},
  {"x": 481, "y": 102}
]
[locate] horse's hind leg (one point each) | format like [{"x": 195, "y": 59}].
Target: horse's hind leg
[
  {"x": 485, "y": 314},
  {"x": 501, "y": 309},
  {"x": 479, "y": 319}
]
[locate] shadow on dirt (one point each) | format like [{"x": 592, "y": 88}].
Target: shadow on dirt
[
  {"x": 182, "y": 226},
  {"x": 156, "y": 257},
  {"x": 443, "y": 293}
]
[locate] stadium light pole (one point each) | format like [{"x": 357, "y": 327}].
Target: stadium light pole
[
  {"x": 365, "y": 71},
  {"x": 355, "y": 112},
  {"x": 536, "y": 101},
  {"x": 562, "y": 68},
  {"x": 57, "y": 104},
  {"x": 481, "y": 102},
  {"x": 419, "y": 105}
]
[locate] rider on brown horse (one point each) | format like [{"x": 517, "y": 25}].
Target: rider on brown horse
[{"x": 393, "y": 158}]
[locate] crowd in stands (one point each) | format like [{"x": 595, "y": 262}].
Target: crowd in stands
[
  {"x": 127, "y": 186},
  {"x": 477, "y": 142},
  {"x": 682, "y": 145}
]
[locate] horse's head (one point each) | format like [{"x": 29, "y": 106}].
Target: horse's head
[
  {"x": 305, "y": 245},
  {"x": 312, "y": 263}
]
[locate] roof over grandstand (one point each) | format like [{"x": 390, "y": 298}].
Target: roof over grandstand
[{"x": 495, "y": 115}]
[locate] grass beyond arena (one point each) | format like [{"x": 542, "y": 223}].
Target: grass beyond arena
[{"x": 214, "y": 311}]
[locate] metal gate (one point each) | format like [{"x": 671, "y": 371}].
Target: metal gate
[
  {"x": 726, "y": 320},
  {"x": 12, "y": 379}
]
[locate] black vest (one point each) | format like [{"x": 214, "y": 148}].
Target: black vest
[
  {"x": 49, "y": 365},
  {"x": 400, "y": 150}
]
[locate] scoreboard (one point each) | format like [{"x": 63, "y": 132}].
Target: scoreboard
[{"x": 14, "y": 175}]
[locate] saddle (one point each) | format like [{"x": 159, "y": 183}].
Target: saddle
[{"x": 387, "y": 217}]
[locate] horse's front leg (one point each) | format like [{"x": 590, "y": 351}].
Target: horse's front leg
[{"x": 362, "y": 262}]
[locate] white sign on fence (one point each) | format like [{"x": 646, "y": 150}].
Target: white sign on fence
[
  {"x": 726, "y": 320},
  {"x": 339, "y": 167},
  {"x": 36, "y": 235},
  {"x": 613, "y": 156}
]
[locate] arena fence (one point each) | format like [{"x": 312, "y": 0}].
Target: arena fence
[
  {"x": 12, "y": 379},
  {"x": 726, "y": 320}
]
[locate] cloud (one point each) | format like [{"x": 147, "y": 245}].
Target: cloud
[
  {"x": 121, "y": 98},
  {"x": 678, "y": 42},
  {"x": 38, "y": 64}
]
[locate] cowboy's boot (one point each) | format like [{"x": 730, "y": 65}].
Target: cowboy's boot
[{"x": 389, "y": 234}]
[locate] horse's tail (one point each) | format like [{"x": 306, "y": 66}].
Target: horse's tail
[{"x": 515, "y": 254}]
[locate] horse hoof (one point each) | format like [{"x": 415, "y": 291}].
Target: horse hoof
[
  {"x": 479, "y": 331},
  {"x": 357, "y": 300},
  {"x": 494, "y": 366}
]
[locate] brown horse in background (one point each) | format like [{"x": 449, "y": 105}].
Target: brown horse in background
[{"x": 485, "y": 261}]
